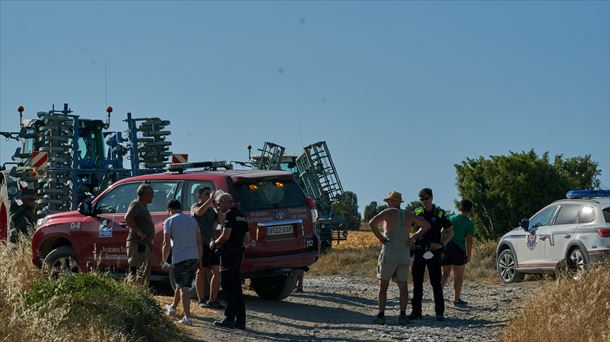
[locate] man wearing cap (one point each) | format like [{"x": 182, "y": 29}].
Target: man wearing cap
[
  {"x": 235, "y": 235},
  {"x": 427, "y": 253},
  {"x": 393, "y": 262},
  {"x": 141, "y": 234}
]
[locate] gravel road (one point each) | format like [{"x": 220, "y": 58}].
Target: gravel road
[{"x": 342, "y": 308}]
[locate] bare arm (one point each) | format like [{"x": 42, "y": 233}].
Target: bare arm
[
  {"x": 204, "y": 207},
  {"x": 166, "y": 247},
  {"x": 247, "y": 239},
  {"x": 447, "y": 234},
  {"x": 224, "y": 236},
  {"x": 469, "y": 242},
  {"x": 374, "y": 223},
  {"x": 422, "y": 223}
]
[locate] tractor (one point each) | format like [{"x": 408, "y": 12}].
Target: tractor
[{"x": 63, "y": 160}]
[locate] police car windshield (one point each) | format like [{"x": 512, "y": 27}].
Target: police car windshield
[{"x": 269, "y": 195}]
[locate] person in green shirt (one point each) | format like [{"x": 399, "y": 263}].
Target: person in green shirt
[{"x": 459, "y": 250}]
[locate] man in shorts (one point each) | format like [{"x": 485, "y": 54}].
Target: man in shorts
[
  {"x": 141, "y": 234},
  {"x": 459, "y": 250},
  {"x": 207, "y": 218},
  {"x": 394, "y": 257},
  {"x": 186, "y": 248}
]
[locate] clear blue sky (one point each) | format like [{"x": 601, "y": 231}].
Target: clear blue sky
[{"x": 401, "y": 91}]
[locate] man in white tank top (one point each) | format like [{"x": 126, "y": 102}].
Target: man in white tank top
[{"x": 393, "y": 260}]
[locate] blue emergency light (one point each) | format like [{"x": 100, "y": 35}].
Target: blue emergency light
[{"x": 587, "y": 193}]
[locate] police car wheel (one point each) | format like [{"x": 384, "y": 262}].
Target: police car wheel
[
  {"x": 578, "y": 260},
  {"x": 506, "y": 264}
]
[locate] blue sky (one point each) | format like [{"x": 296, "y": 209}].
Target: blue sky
[{"x": 401, "y": 91}]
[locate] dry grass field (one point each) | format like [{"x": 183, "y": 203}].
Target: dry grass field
[
  {"x": 568, "y": 310},
  {"x": 357, "y": 256}
]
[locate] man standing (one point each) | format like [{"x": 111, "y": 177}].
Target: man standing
[
  {"x": 141, "y": 234},
  {"x": 208, "y": 219},
  {"x": 183, "y": 231},
  {"x": 394, "y": 257},
  {"x": 235, "y": 235},
  {"x": 427, "y": 253},
  {"x": 459, "y": 250}
]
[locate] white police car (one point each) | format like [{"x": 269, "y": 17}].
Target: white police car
[{"x": 576, "y": 229}]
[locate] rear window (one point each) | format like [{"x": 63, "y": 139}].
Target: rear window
[
  {"x": 269, "y": 195},
  {"x": 607, "y": 214}
]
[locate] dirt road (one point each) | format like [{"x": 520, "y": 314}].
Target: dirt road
[{"x": 341, "y": 308}]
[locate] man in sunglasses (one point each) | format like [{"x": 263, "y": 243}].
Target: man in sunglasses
[{"x": 427, "y": 252}]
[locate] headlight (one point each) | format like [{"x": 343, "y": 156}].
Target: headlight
[{"x": 40, "y": 222}]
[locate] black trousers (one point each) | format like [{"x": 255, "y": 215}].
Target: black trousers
[
  {"x": 230, "y": 280},
  {"x": 435, "y": 272}
]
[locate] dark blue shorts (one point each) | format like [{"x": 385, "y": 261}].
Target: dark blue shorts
[{"x": 184, "y": 272}]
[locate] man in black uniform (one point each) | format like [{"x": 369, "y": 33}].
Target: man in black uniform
[
  {"x": 427, "y": 251},
  {"x": 235, "y": 235}
]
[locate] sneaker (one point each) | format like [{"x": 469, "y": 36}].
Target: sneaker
[
  {"x": 414, "y": 315},
  {"x": 402, "y": 320},
  {"x": 379, "y": 320},
  {"x": 440, "y": 317},
  {"x": 203, "y": 304},
  {"x": 298, "y": 290},
  {"x": 224, "y": 324},
  {"x": 460, "y": 302},
  {"x": 215, "y": 305},
  {"x": 186, "y": 320},
  {"x": 170, "y": 310}
]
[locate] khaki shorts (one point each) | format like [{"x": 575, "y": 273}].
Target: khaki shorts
[
  {"x": 394, "y": 269},
  {"x": 138, "y": 257}
]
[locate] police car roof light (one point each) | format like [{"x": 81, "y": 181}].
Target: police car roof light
[{"x": 572, "y": 194}]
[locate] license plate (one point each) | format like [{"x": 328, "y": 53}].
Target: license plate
[{"x": 279, "y": 230}]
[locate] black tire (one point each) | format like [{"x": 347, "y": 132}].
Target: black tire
[
  {"x": 60, "y": 262},
  {"x": 506, "y": 265},
  {"x": 275, "y": 287},
  {"x": 172, "y": 282},
  {"x": 578, "y": 260}
]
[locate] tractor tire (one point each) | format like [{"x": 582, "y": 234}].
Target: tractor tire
[{"x": 275, "y": 287}]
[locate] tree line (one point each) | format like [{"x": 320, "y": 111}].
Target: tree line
[{"x": 506, "y": 188}]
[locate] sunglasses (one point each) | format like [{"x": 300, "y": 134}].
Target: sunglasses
[{"x": 424, "y": 198}]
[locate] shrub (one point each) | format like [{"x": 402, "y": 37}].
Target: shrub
[{"x": 81, "y": 307}]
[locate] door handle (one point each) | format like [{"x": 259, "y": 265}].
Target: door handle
[
  {"x": 542, "y": 237},
  {"x": 567, "y": 236}
]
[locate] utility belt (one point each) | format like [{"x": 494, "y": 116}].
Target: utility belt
[{"x": 419, "y": 250}]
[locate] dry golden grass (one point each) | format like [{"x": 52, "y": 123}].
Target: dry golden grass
[
  {"x": 568, "y": 310},
  {"x": 358, "y": 255}
]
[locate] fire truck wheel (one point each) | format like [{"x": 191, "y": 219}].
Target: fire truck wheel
[{"x": 60, "y": 262}]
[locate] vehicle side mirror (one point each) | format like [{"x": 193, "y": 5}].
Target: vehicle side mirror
[
  {"x": 86, "y": 208},
  {"x": 525, "y": 224}
]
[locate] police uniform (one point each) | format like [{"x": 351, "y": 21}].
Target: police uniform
[
  {"x": 230, "y": 263},
  {"x": 438, "y": 220}
]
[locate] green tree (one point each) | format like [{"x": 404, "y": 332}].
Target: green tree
[
  {"x": 373, "y": 209},
  {"x": 411, "y": 206},
  {"x": 347, "y": 207},
  {"x": 505, "y": 189}
]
